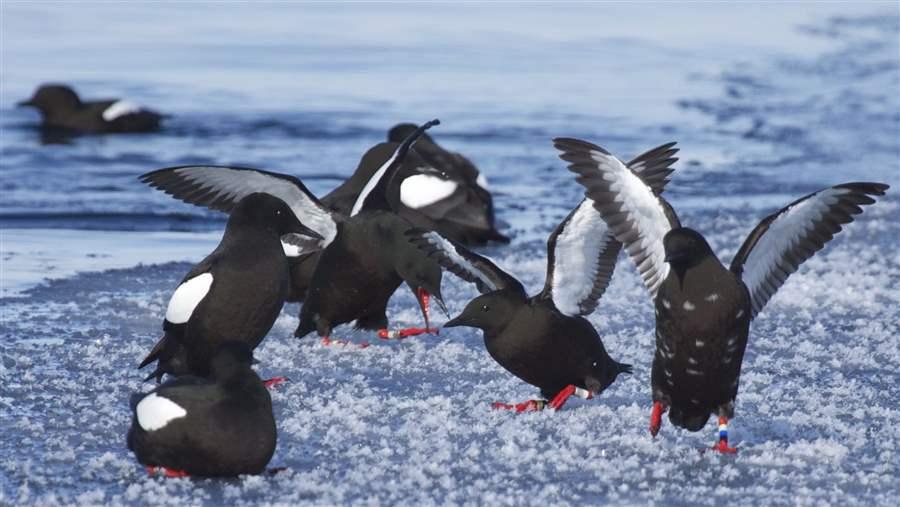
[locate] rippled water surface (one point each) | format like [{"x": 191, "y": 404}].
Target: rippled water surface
[{"x": 767, "y": 103}]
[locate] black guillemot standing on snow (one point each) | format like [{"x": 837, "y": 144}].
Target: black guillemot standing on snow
[
  {"x": 61, "y": 108},
  {"x": 217, "y": 427},
  {"x": 363, "y": 257},
  {"x": 545, "y": 339},
  {"x": 234, "y": 294},
  {"x": 703, "y": 309}
]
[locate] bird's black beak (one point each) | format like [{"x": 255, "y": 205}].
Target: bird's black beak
[
  {"x": 25, "y": 103},
  {"x": 458, "y": 321}
]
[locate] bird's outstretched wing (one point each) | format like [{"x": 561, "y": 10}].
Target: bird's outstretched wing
[
  {"x": 582, "y": 252},
  {"x": 628, "y": 200},
  {"x": 222, "y": 187},
  {"x": 790, "y": 236}
]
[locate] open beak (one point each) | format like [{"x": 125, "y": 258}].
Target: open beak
[{"x": 306, "y": 231}]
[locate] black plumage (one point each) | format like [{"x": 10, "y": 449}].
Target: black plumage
[
  {"x": 61, "y": 108},
  {"x": 218, "y": 427},
  {"x": 703, "y": 309},
  {"x": 544, "y": 339},
  {"x": 234, "y": 294}
]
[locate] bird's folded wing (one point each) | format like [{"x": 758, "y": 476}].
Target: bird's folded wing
[
  {"x": 221, "y": 187},
  {"x": 632, "y": 209},
  {"x": 785, "y": 239},
  {"x": 464, "y": 263}
]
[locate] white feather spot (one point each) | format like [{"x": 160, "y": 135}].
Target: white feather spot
[
  {"x": 420, "y": 190},
  {"x": 155, "y": 412},
  {"x": 740, "y": 314},
  {"x": 186, "y": 297},
  {"x": 699, "y": 343},
  {"x": 120, "y": 108},
  {"x": 688, "y": 306},
  {"x": 691, "y": 371},
  {"x": 482, "y": 181},
  {"x": 667, "y": 304},
  {"x": 692, "y": 360},
  {"x": 712, "y": 297},
  {"x": 291, "y": 250}
]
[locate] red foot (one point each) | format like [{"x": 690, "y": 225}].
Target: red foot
[
  {"x": 274, "y": 381},
  {"x": 166, "y": 472},
  {"x": 527, "y": 406},
  {"x": 656, "y": 417},
  {"x": 328, "y": 341},
  {"x": 387, "y": 334},
  {"x": 723, "y": 448}
]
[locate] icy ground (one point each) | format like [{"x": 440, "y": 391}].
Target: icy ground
[{"x": 760, "y": 123}]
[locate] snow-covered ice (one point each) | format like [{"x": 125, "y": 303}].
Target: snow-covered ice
[{"x": 761, "y": 121}]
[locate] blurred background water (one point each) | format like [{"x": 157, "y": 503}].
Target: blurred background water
[{"x": 767, "y": 102}]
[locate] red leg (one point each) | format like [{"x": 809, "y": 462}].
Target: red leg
[
  {"x": 274, "y": 381},
  {"x": 329, "y": 341},
  {"x": 722, "y": 445},
  {"x": 423, "y": 297},
  {"x": 166, "y": 472},
  {"x": 563, "y": 396},
  {"x": 659, "y": 408},
  {"x": 525, "y": 406}
]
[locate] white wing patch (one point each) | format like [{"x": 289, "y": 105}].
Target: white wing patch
[
  {"x": 643, "y": 208},
  {"x": 420, "y": 190},
  {"x": 482, "y": 181},
  {"x": 186, "y": 298},
  {"x": 120, "y": 108},
  {"x": 575, "y": 258},
  {"x": 768, "y": 255},
  {"x": 372, "y": 183},
  {"x": 155, "y": 412},
  {"x": 237, "y": 184},
  {"x": 450, "y": 251}
]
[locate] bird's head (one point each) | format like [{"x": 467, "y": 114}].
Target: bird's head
[
  {"x": 53, "y": 97},
  {"x": 489, "y": 312}
]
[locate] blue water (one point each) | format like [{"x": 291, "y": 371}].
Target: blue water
[{"x": 767, "y": 103}]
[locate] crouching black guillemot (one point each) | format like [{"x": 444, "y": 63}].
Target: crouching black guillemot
[{"x": 217, "y": 427}]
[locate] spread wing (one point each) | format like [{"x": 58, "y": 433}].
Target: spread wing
[
  {"x": 582, "y": 253},
  {"x": 221, "y": 187},
  {"x": 464, "y": 263},
  {"x": 787, "y": 238},
  {"x": 637, "y": 216}
]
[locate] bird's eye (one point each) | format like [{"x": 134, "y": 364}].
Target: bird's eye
[
  {"x": 485, "y": 308},
  {"x": 278, "y": 212}
]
